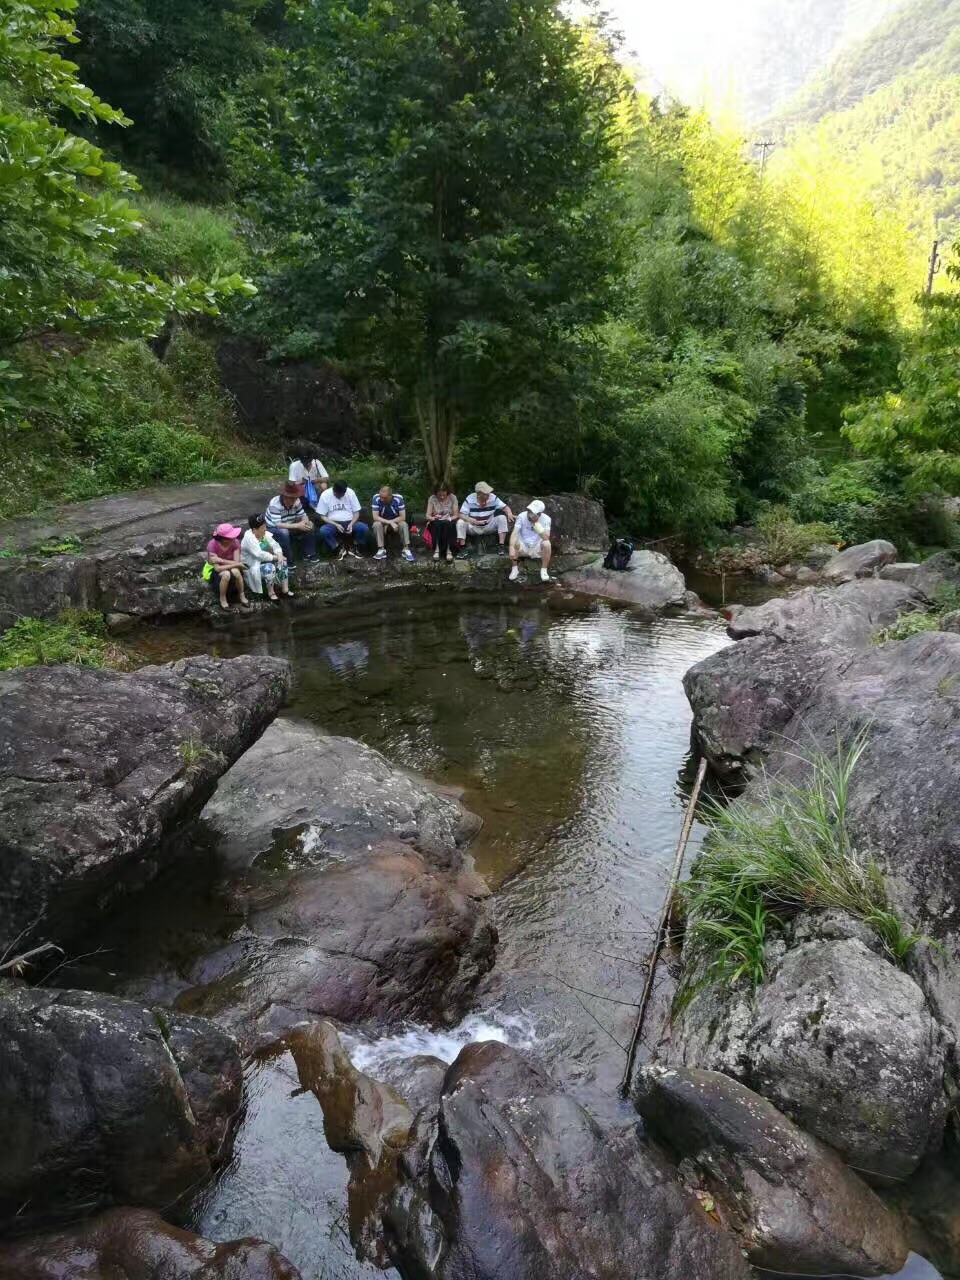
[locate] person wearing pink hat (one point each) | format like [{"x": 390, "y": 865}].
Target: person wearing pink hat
[{"x": 223, "y": 556}]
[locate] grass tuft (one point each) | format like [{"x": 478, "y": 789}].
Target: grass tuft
[
  {"x": 764, "y": 862},
  {"x": 75, "y": 636}
]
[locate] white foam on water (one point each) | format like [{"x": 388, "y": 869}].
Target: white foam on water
[{"x": 414, "y": 1040}]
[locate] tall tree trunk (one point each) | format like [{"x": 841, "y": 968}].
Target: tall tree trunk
[{"x": 438, "y": 429}]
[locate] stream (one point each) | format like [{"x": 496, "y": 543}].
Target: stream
[{"x": 568, "y": 733}]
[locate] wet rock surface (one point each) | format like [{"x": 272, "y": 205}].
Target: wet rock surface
[
  {"x": 135, "y": 1244},
  {"x": 651, "y": 582},
  {"x": 97, "y": 768},
  {"x": 517, "y": 1182},
  {"x": 841, "y": 1041},
  {"x": 106, "y": 1102},
  {"x": 791, "y": 1202},
  {"x": 364, "y": 1120},
  {"x": 384, "y": 938},
  {"x": 344, "y": 797}
]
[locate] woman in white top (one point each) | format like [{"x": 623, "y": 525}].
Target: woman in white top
[{"x": 263, "y": 561}]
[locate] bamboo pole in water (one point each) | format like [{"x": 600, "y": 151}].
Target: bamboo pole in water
[{"x": 661, "y": 931}]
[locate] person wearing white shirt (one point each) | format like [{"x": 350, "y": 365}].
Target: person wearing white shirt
[
  {"x": 339, "y": 511},
  {"x": 264, "y": 564},
  {"x": 531, "y": 539},
  {"x": 304, "y": 466}
]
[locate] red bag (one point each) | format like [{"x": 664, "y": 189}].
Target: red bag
[{"x": 428, "y": 537}]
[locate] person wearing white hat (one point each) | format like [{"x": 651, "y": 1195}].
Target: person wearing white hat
[
  {"x": 481, "y": 512},
  {"x": 531, "y": 539}
]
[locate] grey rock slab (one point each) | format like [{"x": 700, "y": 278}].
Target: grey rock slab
[
  {"x": 516, "y": 1181},
  {"x": 787, "y": 1197},
  {"x": 578, "y": 523},
  {"x": 842, "y": 1042},
  {"x": 651, "y": 582},
  {"x": 341, "y": 795},
  {"x": 99, "y": 769},
  {"x": 136, "y": 1244},
  {"x": 829, "y": 617},
  {"x": 859, "y": 561},
  {"x": 106, "y": 1102}
]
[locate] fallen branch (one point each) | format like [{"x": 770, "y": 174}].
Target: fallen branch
[
  {"x": 661, "y": 930},
  {"x": 19, "y": 963}
]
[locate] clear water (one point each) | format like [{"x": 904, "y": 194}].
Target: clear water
[{"x": 569, "y": 735}]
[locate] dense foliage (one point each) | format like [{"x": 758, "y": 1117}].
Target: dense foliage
[
  {"x": 445, "y": 220},
  {"x": 549, "y": 279},
  {"x": 890, "y": 108}
]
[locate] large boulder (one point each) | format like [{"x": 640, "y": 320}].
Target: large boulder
[
  {"x": 578, "y": 523},
  {"x": 382, "y": 938},
  {"x": 651, "y": 582},
  {"x": 283, "y": 401},
  {"x": 515, "y": 1181},
  {"x": 860, "y": 561},
  {"x": 106, "y": 1102},
  {"x": 791, "y": 1202},
  {"x": 99, "y": 768},
  {"x": 340, "y": 794},
  {"x": 135, "y": 1244},
  {"x": 841, "y": 1041},
  {"x": 749, "y": 698}
]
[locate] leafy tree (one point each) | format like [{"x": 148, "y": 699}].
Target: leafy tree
[
  {"x": 915, "y": 429},
  {"x": 173, "y": 67},
  {"x": 64, "y": 207},
  {"x": 441, "y": 190}
]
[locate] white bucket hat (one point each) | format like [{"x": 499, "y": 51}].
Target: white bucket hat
[
  {"x": 536, "y": 507},
  {"x": 483, "y": 487}
]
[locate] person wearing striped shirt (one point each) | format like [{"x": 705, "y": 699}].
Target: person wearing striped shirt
[
  {"x": 390, "y": 512},
  {"x": 289, "y": 523},
  {"x": 483, "y": 512}
]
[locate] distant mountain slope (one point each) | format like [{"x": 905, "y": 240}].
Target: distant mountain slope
[
  {"x": 913, "y": 39},
  {"x": 788, "y": 41},
  {"x": 891, "y": 104}
]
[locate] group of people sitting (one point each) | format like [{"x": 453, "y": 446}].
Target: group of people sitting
[{"x": 308, "y": 507}]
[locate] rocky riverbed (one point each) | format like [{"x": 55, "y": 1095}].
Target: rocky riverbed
[{"x": 782, "y": 1129}]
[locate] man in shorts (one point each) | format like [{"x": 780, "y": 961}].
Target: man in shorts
[{"x": 531, "y": 539}]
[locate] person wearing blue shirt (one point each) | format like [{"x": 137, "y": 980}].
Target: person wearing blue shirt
[{"x": 390, "y": 512}]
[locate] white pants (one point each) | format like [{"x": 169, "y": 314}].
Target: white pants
[{"x": 496, "y": 524}]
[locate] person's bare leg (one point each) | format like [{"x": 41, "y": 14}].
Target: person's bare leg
[
  {"x": 241, "y": 585},
  {"x": 224, "y": 588},
  {"x": 546, "y": 554}
]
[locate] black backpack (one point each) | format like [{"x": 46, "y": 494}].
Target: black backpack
[{"x": 618, "y": 557}]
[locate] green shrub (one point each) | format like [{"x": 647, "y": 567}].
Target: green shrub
[
  {"x": 764, "y": 862},
  {"x": 111, "y": 416},
  {"x": 784, "y": 539},
  {"x": 75, "y": 636},
  {"x": 181, "y": 239}
]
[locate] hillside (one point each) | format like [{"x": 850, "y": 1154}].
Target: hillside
[
  {"x": 784, "y": 44},
  {"x": 890, "y": 104}
]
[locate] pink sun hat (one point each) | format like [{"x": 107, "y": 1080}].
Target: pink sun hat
[{"x": 227, "y": 530}]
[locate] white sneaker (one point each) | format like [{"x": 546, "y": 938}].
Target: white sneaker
[
  {"x": 544, "y": 575},
  {"x": 381, "y": 554},
  {"x": 409, "y": 556},
  {"x": 342, "y": 553},
  {"x": 514, "y": 573},
  {"x": 436, "y": 554}
]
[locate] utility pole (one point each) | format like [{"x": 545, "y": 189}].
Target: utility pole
[
  {"x": 934, "y": 266},
  {"x": 764, "y": 148}
]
